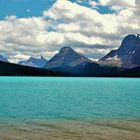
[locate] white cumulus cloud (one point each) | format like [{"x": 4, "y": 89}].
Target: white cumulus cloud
[{"x": 68, "y": 23}]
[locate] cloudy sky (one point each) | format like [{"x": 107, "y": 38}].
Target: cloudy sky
[{"x": 42, "y": 27}]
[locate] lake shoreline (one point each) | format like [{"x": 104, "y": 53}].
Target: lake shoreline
[{"x": 70, "y": 129}]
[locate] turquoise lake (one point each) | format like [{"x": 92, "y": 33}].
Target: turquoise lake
[{"x": 69, "y": 98}]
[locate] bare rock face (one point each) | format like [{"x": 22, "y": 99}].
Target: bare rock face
[
  {"x": 66, "y": 58},
  {"x": 128, "y": 55}
]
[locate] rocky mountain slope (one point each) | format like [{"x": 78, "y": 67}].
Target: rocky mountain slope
[
  {"x": 34, "y": 62},
  {"x": 4, "y": 59},
  {"x": 67, "y": 59},
  {"x": 128, "y": 54}
]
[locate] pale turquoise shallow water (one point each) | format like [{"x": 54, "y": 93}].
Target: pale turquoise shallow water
[{"x": 69, "y": 98}]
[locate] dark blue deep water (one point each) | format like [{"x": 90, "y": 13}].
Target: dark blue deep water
[{"x": 69, "y": 98}]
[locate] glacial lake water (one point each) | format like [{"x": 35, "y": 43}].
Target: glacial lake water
[{"x": 69, "y": 98}]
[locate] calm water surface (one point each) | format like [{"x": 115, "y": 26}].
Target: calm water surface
[{"x": 69, "y": 98}]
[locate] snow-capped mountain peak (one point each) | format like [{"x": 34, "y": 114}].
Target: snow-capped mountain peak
[
  {"x": 38, "y": 62},
  {"x": 128, "y": 53}
]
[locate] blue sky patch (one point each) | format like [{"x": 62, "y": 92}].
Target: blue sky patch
[
  {"x": 23, "y": 8},
  {"x": 28, "y": 8}
]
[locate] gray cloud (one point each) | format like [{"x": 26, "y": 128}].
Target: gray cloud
[{"x": 137, "y": 10}]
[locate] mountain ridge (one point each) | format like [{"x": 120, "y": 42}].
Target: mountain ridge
[
  {"x": 34, "y": 62},
  {"x": 127, "y": 55},
  {"x": 4, "y": 59},
  {"x": 122, "y": 62},
  {"x": 67, "y": 58}
]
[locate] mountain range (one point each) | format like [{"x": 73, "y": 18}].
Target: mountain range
[
  {"x": 34, "y": 62},
  {"x": 122, "y": 62}
]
